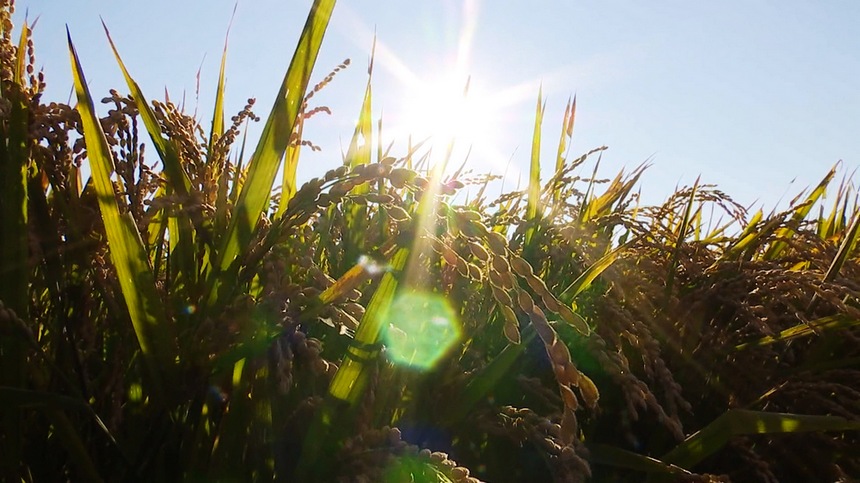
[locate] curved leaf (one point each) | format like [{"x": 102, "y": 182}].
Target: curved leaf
[
  {"x": 127, "y": 252},
  {"x": 263, "y": 167},
  {"x": 736, "y": 422}
]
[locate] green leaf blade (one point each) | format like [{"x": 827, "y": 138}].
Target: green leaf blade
[
  {"x": 736, "y": 422},
  {"x": 270, "y": 150},
  {"x": 127, "y": 252}
]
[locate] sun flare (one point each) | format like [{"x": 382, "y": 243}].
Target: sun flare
[
  {"x": 449, "y": 100},
  {"x": 449, "y": 109}
]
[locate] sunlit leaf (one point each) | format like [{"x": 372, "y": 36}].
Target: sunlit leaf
[
  {"x": 351, "y": 376},
  {"x": 127, "y": 252},
  {"x": 584, "y": 280},
  {"x": 680, "y": 237},
  {"x": 362, "y": 139},
  {"x": 824, "y": 324},
  {"x": 165, "y": 148},
  {"x": 533, "y": 204},
  {"x": 735, "y": 422},
  {"x": 262, "y": 169},
  {"x": 181, "y": 233},
  {"x": 776, "y": 248}
]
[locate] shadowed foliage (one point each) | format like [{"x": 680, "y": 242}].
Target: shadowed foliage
[{"x": 175, "y": 318}]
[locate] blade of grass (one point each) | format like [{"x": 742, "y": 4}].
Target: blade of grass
[
  {"x": 800, "y": 214},
  {"x": 747, "y": 236},
  {"x": 166, "y": 150},
  {"x": 352, "y": 279},
  {"x": 238, "y": 173},
  {"x": 679, "y": 240},
  {"x": 255, "y": 192},
  {"x": 127, "y": 253},
  {"x": 362, "y": 139},
  {"x": 20, "y": 57},
  {"x": 842, "y": 255},
  {"x": 14, "y": 248},
  {"x": 584, "y": 280},
  {"x": 55, "y": 404},
  {"x": 482, "y": 383},
  {"x": 71, "y": 440},
  {"x": 566, "y": 133},
  {"x": 533, "y": 205},
  {"x": 349, "y": 380},
  {"x": 359, "y": 153},
  {"x": 617, "y": 191},
  {"x": 736, "y": 422},
  {"x": 351, "y": 377},
  {"x": 218, "y": 111},
  {"x": 291, "y": 164},
  {"x": 215, "y": 133},
  {"x": 587, "y": 198},
  {"x": 181, "y": 232},
  {"x": 606, "y": 455},
  {"x": 815, "y": 327}
]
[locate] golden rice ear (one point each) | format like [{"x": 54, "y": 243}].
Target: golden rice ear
[{"x": 512, "y": 331}]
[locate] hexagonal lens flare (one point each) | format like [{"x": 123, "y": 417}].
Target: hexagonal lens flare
[{"x": 422, "y": 328}]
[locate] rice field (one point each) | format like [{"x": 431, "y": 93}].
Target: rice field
[{"x": 173, "y": 318}]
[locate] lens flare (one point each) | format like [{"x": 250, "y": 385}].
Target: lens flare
[{"x": 422, "y": 328}]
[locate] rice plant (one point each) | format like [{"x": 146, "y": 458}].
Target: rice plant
[{"x": 172, "y": 318}]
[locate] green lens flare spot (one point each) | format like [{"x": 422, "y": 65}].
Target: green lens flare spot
[
  {"x": 135, "y": 393},
  {"x": 422, "y": 328},
  {"x": 409, "y": 468}
]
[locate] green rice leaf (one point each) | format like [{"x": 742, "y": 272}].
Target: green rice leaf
[
  {"x": 617, "y": 191},
  {"x": 351, "y": 376},
  {"x": 71, "y": 440},
  {"x": 800, "y": 213},
  {"x": 588, "y": 198},
  {"x": 291, "y": 164},
  {"x": 745, "y": 239},
  {"x": 254, "y": 195},
  {"x": 25, "y": 398},
  {"x": 358, "y": 153},
  {"x": 566, "y": 133},
  {"x": 736, "y": 422},
  {"x": 815, "y": 327},
  {"x": 484, "y": 381},
  {"x": 362, "y": 139},
  {"x": 14, "y": 166},
  {"x": 166, "y": 150},
  {"x": 127, "y": 252},
  {"x": 218, "y": 111},
  {"x": 584, "y": 280},
  {"x": 350, "y": 280},
  {"x": 606, "y": 455},
  {"x": 21, "y": 56},
  {"x": 680, "y": 237},
  {"x": 14, "y": 245},
  {"x": 845, "y": 249},
  {"x": 533, "y": 206},
  {"x": 842, "y": 255},
  {"x": 215, "y": 133},
  {"x": 182, "y": 234}
]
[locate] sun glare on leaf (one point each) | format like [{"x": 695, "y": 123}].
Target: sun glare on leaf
[{"x": 421, "y": 329}]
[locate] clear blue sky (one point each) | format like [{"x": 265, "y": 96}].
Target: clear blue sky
[{"x": 750, "y": 94}]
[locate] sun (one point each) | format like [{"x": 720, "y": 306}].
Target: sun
[
  {"x": 446, "y": 100},
  {"x": 449, "y": 109}
]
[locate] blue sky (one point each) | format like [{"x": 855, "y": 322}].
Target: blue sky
[{"x": 750, "y": 94}]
